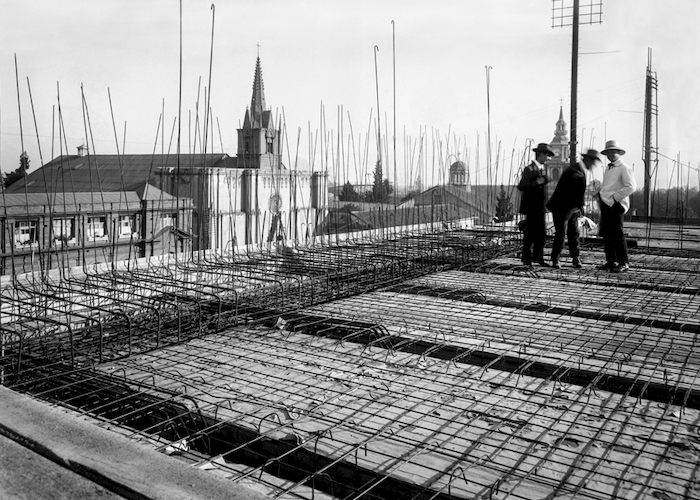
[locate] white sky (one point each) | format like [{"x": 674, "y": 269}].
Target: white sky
[{"x": 317, "y": 52}]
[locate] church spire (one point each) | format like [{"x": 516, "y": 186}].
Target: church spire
[
  {"x": 257, "y": 102},
  {"x": 258, "y": 140},
  {"x": 561, "y": 134}
]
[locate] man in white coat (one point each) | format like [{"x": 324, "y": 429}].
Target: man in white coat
[{"x": 614, "y": 198}]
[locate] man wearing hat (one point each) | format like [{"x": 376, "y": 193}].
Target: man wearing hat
[
  {"x": 566, "y": 205},
  {"x": 614, "y": 198},
  {"x": 532, "y": 205}
]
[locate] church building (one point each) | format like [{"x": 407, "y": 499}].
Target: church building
[
  {"x": 560, "y": 144},
  {"x": 252, "y": 198},
  {"x": 91, "y": 208}
]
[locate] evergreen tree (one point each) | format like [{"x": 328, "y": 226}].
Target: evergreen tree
[
  {"x": 418, "y": 185},
  {"x": 18, "y": 174},
  {"x": 504, "y": 207},
  {"x": 348, "y": 193},
  {"x": 381, "y": 188},
  {"x": 378, "y": 187},
  {"x": 387, "y": 190}
]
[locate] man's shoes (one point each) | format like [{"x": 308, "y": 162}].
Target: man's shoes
[
  {"x": 543, "y": 264},
  {"x": 556, "y": 265},
  {"x": 608, "y": 266},
  {"x": 622, "y": 268},
  {"x": 577, "y": 264}
]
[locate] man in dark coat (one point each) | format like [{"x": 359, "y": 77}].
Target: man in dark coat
[
  {"x": 532, "y": 187},
  {"x": 566, "y": 205}
]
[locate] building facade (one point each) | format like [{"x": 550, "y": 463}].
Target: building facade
[
  {"x": 253, "y": 198},
  {"x": 44, "y": 231},
  {"x": 87, "y": 208}
]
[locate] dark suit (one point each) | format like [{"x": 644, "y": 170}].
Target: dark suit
[
  {"x": 566, "y": 205},
  {"x": 532, "y": 187}
]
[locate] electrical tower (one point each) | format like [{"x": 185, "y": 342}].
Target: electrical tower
[{"x": 572, "y": 13}]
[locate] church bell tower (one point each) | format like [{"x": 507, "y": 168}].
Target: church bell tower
[
  {"x": 560, "y": 144},
  {"x": 258, "y": 141}
]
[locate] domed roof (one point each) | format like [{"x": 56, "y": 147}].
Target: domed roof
[{"x": 458, "y": 166}]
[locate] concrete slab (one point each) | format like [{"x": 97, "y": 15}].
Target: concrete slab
[
  {"x": 25, "y": 475},
  {"x": 108, "y": 460}
]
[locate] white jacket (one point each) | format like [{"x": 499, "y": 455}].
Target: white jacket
[{"x": 618, "y": 184}]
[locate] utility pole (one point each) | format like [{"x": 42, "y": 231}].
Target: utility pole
[
  {"x": 574, "y": 82},
  {"x": 572, "y": 13},
  {"x": 650, "y": 112},
  {"x": 489, "y": 175}
]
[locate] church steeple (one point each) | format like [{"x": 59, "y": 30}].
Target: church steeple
[
  {"x": 258, "y": 140},
  {"x": 560, "y": 145},
  {"x": 257, "y": 102},
  {"x": 561, "y": 135}
]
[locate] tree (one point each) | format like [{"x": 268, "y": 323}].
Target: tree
[
  {"x": 504, "y": 207},
  {"x": 378, "y": 187},
  {"x": 18, "y": 174},
  {"x": 387, "y": 190},
  {"x": 418, "y": 185},
  {"x": 348, "y": 193},
  {"x": 381, "y": 188}
]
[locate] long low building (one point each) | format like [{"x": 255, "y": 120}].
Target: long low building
[{"x": 43, "y": 231}]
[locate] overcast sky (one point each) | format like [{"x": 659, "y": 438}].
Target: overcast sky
[{"x": 321, "y": 52}]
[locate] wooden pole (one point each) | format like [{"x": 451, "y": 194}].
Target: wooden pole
[
  {"x": 647, "y": 141},
  {"x": 574, "y": 81}
]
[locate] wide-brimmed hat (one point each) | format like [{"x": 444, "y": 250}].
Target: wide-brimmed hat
[
  {"x": 593, "y": 154},
  {"x": 543, "y": 147},
  {"x": 611, "y": 146}
]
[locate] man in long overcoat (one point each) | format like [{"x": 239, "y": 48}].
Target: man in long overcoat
[
  {"x": 566, "y": 205},
  {"x": 532, "y": 187}
]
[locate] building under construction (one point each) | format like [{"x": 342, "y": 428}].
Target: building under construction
[
  {"x": 412, "y": 364},
  {"x": 165, "y": 338}
]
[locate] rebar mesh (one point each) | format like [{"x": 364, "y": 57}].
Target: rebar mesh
[{"x": 430, "y": 366}]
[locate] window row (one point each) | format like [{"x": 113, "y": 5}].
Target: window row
[{"x": 63, "y": 231}]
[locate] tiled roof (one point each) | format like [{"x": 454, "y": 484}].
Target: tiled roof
[
  {"x": 481, "y": 199},
  {"x": 60, "y": 199},
  {"x": 105, "y": 173}
]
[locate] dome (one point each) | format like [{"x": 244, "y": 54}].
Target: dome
[
  {"x": 458, "y": 174},
  {"x": 458, "y": 167}
]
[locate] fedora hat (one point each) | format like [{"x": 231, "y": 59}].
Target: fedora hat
[
  {"x": 543, "y": 147},
  {"x": 611, "y": 146},
  {"x": 593, "y": 154}
]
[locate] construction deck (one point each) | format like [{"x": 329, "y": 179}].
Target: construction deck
[{"x": 427, "y": 367}]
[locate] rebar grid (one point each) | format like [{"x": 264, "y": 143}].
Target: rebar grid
[
  {"x": 370, "y": 406},
  {"x": 368, "y": 370},
  {"x": 508, "y": 331},
  {"x": 105, "y": 314}
]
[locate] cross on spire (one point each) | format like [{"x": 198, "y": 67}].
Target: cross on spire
[{"x": 258, "y": 45}]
